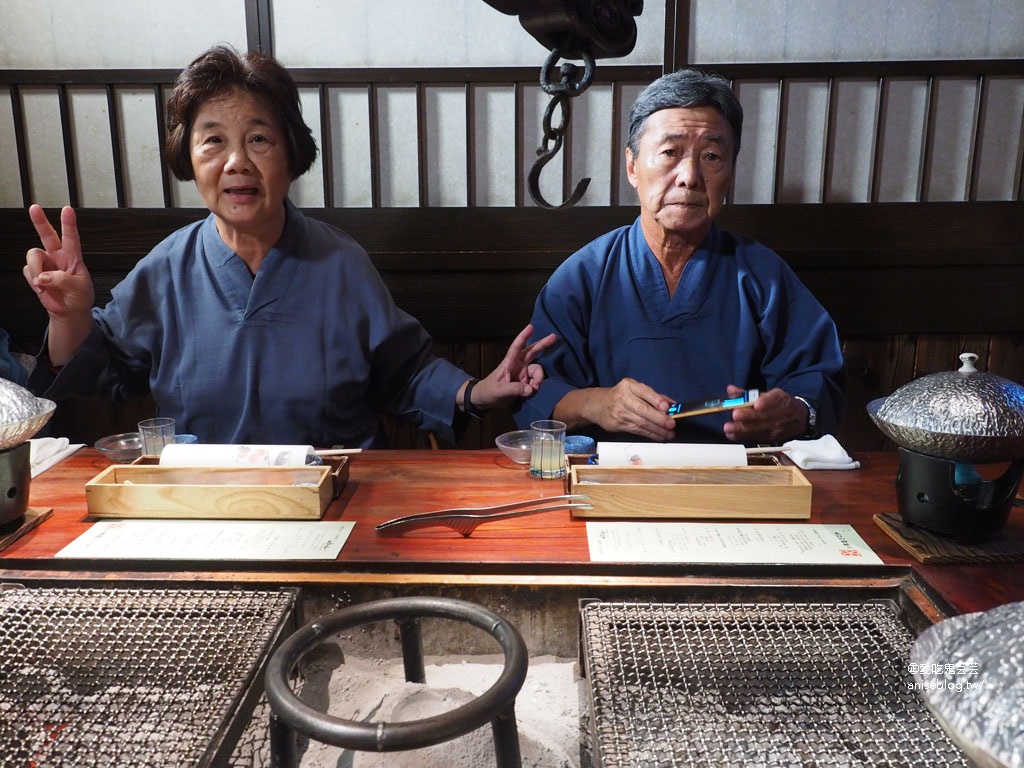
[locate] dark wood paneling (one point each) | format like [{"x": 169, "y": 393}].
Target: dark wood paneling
[
  {"x": 936, "y": 268},
  {"x": 1006, "y": 356}
]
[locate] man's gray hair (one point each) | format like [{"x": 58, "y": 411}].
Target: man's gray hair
[{"x": 685, "y": 88}]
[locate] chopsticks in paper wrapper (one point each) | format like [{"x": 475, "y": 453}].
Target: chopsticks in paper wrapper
[{"x": 223, "y": 455}]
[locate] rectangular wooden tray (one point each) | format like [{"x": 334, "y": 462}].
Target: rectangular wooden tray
[
  {"x": 211, "y": 493},
  {"x": 755, "y": 492}
]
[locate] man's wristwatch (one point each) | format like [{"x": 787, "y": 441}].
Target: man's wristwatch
[
  {"x": 812, "y": 417},
  {"x": 467, "y": 401}
]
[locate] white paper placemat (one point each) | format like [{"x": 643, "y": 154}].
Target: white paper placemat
[
  {"x": 739, "y": 543},
  {"x": 210, "y": 540}
]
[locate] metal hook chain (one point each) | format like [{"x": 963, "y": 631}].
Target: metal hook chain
[
  {"x": 567, "y": 74},
  {"x": 569, "y": 86}
]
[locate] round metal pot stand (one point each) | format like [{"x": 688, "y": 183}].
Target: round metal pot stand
[
  {"x": 496, "y": 705},
  {"x": 15, "y": 478}
]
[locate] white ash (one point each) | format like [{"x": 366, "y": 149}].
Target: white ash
[{"x": 375, "y": 690}]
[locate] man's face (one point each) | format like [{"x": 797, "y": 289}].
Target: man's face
[{"x": 682, "y": 170}]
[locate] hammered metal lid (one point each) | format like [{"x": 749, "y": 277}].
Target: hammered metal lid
[
  {"x": 964, "y": 415},
  {"x": 22, "y": 414}
]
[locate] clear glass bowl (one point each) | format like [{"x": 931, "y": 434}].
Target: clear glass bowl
[
  {"x": 515, "y": 445},
  {"x": 121, "y": 449}
]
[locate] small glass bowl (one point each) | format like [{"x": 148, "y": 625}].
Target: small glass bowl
[
  {"x": 121, "y": 449},
  {"x": 516, "y": 445}
]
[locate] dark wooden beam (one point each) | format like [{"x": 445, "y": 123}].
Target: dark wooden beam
[{"x": 259, "y": 28}]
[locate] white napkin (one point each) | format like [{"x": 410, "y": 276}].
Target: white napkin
[
  {"x": 44, "y": 452},
  {"x": 823, "y": 453}
]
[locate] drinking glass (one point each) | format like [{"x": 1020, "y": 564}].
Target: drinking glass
[
  {"x": 155, "y": 434},
  {"x": 547, "y": 449}
]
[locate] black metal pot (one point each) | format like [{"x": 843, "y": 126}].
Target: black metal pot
[
  {"x": 15, "y": 476},
  {"x": 940, "y": 496},
  {"x": 945, "y": 423}
]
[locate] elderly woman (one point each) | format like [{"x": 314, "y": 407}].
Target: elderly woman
[{"x": 257, "y": 324}]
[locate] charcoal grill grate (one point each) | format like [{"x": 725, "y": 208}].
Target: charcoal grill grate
[
  {"x": 129, "y": 677},
  {"x": 698, "y": 684}
]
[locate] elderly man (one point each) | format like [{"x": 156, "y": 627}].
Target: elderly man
[{"x": 673, "y": 308}]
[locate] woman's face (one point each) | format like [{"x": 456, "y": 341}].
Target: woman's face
[{"x": 240, "y": 159}]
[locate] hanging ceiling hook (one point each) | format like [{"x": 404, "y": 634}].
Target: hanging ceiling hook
[
  {"x": 571, "y": 29},
  {"x": 569, "y": 86}
]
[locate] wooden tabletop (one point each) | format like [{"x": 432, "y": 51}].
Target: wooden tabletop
[{"x": 386, "y": 484}]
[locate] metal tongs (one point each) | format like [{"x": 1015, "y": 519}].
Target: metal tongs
[{"x": 466, "y": 519}]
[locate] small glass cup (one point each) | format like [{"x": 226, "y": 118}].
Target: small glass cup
[
  {"x": 155, "y": 434},
  {"x": 547, "y": 449}
]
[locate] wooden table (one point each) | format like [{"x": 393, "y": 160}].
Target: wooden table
[{"x": 545, "y": 548}]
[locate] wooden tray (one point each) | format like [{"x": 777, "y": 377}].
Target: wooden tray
[
  {"x": 229, "y": 493},
  {"x": 337, "y": 464},
  {"x": 757, "y": 492}
]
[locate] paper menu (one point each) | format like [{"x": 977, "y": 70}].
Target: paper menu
[
  {"x": 728, "y": 543},
  {"x": 210, "y": 540}
]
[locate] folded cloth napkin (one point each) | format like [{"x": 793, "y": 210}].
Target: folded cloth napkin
[
  {"x": 44, "y": 452},
  {"x": 823, "y": 453}
]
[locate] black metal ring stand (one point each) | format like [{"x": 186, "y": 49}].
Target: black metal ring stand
[{"x": 496, "y": 705}]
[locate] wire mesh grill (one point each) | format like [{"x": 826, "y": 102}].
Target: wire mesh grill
[
  {"x": 756, "y": 685},
  {"x": 128, "y": 677}
]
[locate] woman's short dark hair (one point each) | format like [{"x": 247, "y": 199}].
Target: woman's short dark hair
[
  {"x": 685, "y": 88},
  {"x": 221, "y": 70}
]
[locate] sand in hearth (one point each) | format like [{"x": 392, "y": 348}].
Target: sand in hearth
[{"x": 374, "y": 690}]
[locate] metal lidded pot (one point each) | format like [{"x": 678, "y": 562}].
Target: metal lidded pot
[
  {"x": 22, "y": 415},
  {"x": 944, "y": 424}
]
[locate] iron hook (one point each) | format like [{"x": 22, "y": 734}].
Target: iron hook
[
  {"x": 569, "y": 87},
  {"x": 533, "y": 181}
]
